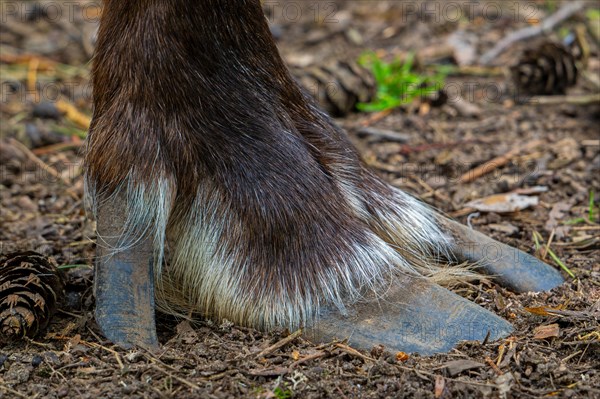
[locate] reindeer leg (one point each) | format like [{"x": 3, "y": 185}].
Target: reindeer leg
[{"x": 124, "y": 281}]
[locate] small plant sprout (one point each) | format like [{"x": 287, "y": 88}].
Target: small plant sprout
[
  {"x": 536, "y": 238},
  {"x": 74, "y": 266},
  {"x": 398, "y": 83},
  {"x": 591, "y": 213},
  {"x": 281, "y": 393}
]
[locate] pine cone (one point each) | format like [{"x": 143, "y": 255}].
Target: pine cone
[
  {"x": 337, "y": 85},
  {"x": 30, "y": 288},
  {"x": 546, "y": 69}
]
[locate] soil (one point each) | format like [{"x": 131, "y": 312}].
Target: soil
[{"x": 554, "y": 351}]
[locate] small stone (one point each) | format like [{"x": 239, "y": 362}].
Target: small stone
[{"x": 36, "y": 360}]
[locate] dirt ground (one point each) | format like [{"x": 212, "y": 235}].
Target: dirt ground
[{"x": 554, "y": 351}]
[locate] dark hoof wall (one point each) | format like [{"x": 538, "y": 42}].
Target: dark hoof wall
[
  {"x": 510, "y": 267},
  {"x": 125, "y": 303},
  {"x": 414, "y": 316}
]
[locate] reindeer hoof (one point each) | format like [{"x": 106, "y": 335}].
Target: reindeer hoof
[
  {"x": 510, "y": 267},
  {"x": 413, "y": 316},
  {"x": 125, "y": 303},
  {"x": 123, "y": 282}
]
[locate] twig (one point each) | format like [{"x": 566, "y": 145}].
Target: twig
[
  {"x": 433, "y": 192},
  {"x": 52, "y": 148},
  {"x": 385, "y": 134},
  {"x": 583, "y": 354},
  {"x": 430, "y": 374},
  {"x": 12, "y": 391},
  {"x": 341, "y": 392},
  {"x": 94, "y": 334},
  {"x": 280, "y": 343},
  {"x": 495, "y": 163},
  {"x": 462, "y": 212},
  {"x": 222, "y": 374},
  {"x": 182, "y": 380},
  {"x": 546, "y": 26},
  {"x": 43, "y": 345},
  {"x": 156, "y": 360},
  {"x": 493, "y": 365},
  {"x": 501, "y": 351},
  {"x": 305, "y": 359},
  {"x": 328, "y": 345},
  {"x": 47, "y": 168},
  {"x": 571, "y": 356},
  {"x": 114, "y": 353},
  {"x": 568, "y": 99},
  {"x": 376, "y": 117},
  {"x": 267, "y": 372},
  {"x": 547, "y": 247},
  {"x": 353, "y": 352}
]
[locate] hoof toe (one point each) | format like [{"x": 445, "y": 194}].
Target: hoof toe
[{"x": 414, "y": 316}]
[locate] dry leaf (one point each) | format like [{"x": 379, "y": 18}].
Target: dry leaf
[
  {"x": 556, "y": 214},
  {"x": 544, "y": 310},
  {"x": 541, "y": 311},
  {"x": 531, "y": 190},
  {"x": 503, "y": 203},
  {"x": 186, "y": 333},
  {"x": 74, "y": 341},
  {"x": 549, "y": 331},
  {"x": 184, "y": 327},
  {"x": 440, "y": 386}
]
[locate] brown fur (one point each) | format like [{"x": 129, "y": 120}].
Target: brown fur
[{"x": 195, "y": 93}]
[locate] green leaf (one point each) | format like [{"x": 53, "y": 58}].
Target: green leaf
[{"x": 398, "y": 83}]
